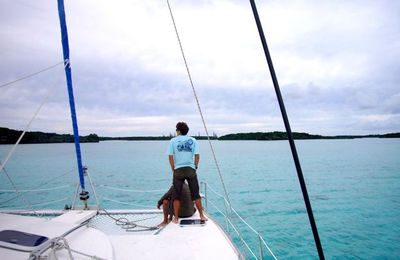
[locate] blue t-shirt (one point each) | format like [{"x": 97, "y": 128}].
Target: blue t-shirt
[{"x": 183, "y": 148}]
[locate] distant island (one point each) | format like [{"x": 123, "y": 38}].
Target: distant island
[
  {"x": 10, "y": 136},
  {"x": 150, "y": 138},
  {"x": 262, "y": 136}
]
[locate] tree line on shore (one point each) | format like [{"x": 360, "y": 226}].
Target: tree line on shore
[
  {"x": 10, "y": 136},
  {"x": 276, "y": 135}
]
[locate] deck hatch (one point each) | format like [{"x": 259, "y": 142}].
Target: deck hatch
[{"x": 22, "y": 238}]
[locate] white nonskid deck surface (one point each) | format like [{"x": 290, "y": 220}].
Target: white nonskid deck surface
[
  {"x": 103, "y": 238},
  {"x": 88, "y": 240},
  {"x": 176, "y": 242}
]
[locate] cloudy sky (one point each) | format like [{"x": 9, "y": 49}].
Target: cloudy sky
[{"x": 337, "y": 62}]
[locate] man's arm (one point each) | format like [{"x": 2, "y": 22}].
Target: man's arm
[
  {"x": 196, "y": 160},
  {"x": 167, "y": 195},
  {"x": 171, "y": 162}
]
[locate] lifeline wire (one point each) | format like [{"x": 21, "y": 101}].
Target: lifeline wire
[
  {"x": 240, "y": 218},
  {"x": 42, "y": 184},
  {"x": 18, "y": 192}
]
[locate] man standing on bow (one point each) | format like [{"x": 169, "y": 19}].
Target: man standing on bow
[{"x": 184, "y": 157}]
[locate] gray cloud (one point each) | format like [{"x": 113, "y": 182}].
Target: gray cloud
[{"x": 337, "y": 63}]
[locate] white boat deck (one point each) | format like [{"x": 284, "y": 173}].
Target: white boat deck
[
  {"x": 176, "y": 242},
  {"x": 104, "y": 239}
]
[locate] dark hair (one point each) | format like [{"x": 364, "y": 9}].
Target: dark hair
[{"x": 182, "y": 127}]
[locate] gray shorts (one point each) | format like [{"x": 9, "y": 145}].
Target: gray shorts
[{"x": 189, "y": 174}]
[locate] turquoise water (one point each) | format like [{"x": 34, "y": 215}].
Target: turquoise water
[{"x": 353, "y": 186}]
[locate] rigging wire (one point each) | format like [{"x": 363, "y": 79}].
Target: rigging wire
[
  {"x": 127, "y": 203},
  {"x": 2, "y": 165},
  {"x": 18, "y": 192},
  {"x": 39, "y": 190},
  {"x": 289, "y": 132},
  {"x": 199, "y": 108},
  {"x": 129, "y": 190},
  {"x": 23, "y": 133},
  {"x": 40, "y": 185},
  {"x": 42, "y": 204},
  {"x": 11, "y": 152},
  {"x": 31, "y": 75},
  {"x": 66, "y": 63},
  {"x": 35, "y": 254},
  {"x": 202, "y": 119}
]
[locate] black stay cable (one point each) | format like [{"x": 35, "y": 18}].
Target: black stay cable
[{"x": 289, "y": 133}]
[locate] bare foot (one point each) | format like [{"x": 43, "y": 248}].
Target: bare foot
[
  {"x": 162, "y": 224},
  {"x": 176, "y": 220},
  {"x": 203, "y": 218}
]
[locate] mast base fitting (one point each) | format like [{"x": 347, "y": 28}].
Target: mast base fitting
[{"x": 84, "y": 195}]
